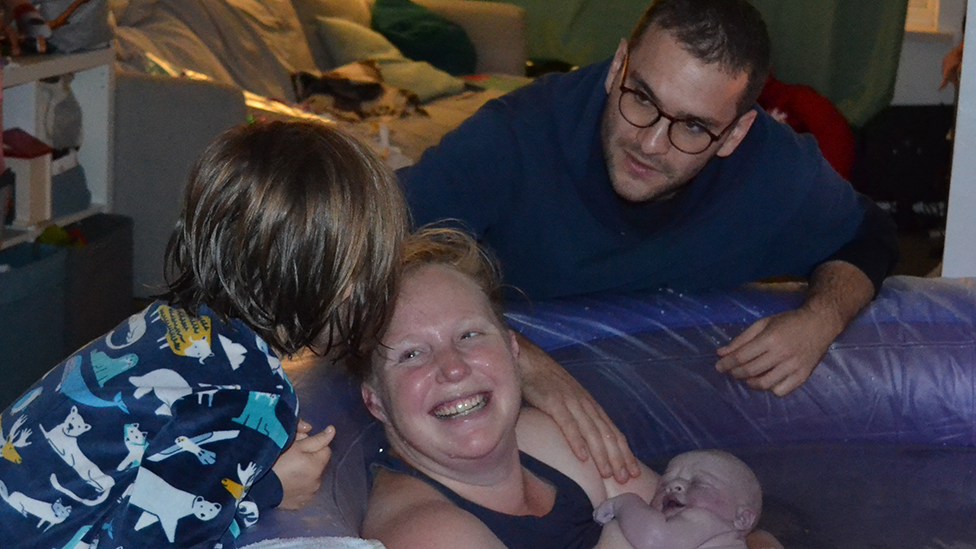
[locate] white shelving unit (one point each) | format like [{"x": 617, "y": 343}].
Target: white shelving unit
[{"x": 93, "y": 87}]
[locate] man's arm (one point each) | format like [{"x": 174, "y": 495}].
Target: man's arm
[
  {"x": 779, "y": 352},
  {"x": 548, "y": 386}
]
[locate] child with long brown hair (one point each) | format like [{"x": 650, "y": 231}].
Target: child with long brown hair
[{"x": 168, "y": 430}]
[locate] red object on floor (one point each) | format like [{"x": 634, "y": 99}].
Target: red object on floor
[{"x": 806, "y": 111}]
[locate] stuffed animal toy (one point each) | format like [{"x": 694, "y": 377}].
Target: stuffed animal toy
[
  {"x": 32, "y": 30},
  {"x": 806, "y": 111}
]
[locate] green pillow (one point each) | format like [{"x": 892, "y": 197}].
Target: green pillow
[
  {"x": 421, "y": 78},
  {"x": 423, "y": 35},
  {"x": 347, "y": 42}
]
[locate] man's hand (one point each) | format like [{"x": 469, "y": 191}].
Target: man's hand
[
  {"x": 951, "y": 66},
  {"x": 300, "y": 467},
  {"x": 589, "y": 431},
  {"x": 778, "y": 353}
]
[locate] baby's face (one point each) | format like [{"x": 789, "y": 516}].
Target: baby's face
[{"x": 705, "y": 480}]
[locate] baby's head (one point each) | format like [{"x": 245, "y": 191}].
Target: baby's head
[
  {"x": 712, "y": 480},
  {"x": 294, "y": 228}
]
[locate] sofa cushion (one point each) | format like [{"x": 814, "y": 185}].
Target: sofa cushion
[
  {"x": 258, "y": 44},
  {"x": 169, "y": 39},
  {"x": 423, "y": 35},
  {"x": 131, "y": 12},
  {"x": 356, "y": 11},
  {"x": 347, "y": 42}
]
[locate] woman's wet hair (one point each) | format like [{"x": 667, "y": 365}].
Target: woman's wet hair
[
  {"x": 295, "y": 228},
  {"x": 452, "y": 248}
]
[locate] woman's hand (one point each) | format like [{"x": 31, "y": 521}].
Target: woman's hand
[
  {"x": 300, "y": 467},
  {"x": 548, "y": 386}
]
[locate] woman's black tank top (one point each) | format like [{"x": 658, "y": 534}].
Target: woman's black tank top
[{"x": 569, "y": 525}]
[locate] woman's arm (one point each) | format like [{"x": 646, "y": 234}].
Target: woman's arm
[{"x": 540, "y": 437}]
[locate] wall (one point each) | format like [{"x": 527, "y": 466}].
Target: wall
[
  {"x": 920, "y": 64},
  {"x": 960, "y": 245}
]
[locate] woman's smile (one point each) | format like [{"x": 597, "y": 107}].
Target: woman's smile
[{"x": 461, "y": 407}]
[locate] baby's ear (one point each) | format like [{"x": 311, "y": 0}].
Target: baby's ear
[{"x": 745, "y": 520}]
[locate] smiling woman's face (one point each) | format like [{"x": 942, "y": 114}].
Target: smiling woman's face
[{"x": 444, "y": 379}]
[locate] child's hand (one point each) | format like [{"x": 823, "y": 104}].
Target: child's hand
[
  {"x": 300, "y": 467},
  {"x": 304, "y": 428}
]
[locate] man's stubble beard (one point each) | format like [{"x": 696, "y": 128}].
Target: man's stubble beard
[{"x": 668, "y": 189}]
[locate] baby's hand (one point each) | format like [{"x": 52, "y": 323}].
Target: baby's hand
[
  {"x": 604, "y": 512},
  {"x": 300, "y": 467}
]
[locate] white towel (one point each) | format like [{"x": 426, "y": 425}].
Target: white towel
[{"x": 317, "y": 543}]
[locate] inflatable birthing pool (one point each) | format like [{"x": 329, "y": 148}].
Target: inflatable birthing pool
[{"x": 876, "y": 451}]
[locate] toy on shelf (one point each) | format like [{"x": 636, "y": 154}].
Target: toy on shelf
[{"x": 32, "y": 31}]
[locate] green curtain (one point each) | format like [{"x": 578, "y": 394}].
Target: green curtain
[{"x": 848, "y": 50}]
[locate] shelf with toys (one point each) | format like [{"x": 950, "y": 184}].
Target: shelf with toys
[{"x": 66, "y": 98}]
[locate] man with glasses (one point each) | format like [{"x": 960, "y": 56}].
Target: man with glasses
[{"x": 657, "y": 169}]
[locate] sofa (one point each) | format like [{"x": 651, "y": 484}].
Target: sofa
[{"x": 189, "y": 69}]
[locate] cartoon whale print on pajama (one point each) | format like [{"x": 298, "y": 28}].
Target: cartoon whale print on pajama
[
  {"x": 74, "y": 387},
  {"x": 185, "y": 335},
  {"x": 25, "y": 400}
]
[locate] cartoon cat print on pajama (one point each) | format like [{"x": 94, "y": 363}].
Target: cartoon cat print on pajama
[{"x": 147, "y": 437}]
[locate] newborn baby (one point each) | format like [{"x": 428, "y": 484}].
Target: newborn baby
[{"x": 706, "y": 498}]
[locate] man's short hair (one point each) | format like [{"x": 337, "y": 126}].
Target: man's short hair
[{"x": 731, "y": 33}]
